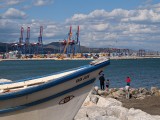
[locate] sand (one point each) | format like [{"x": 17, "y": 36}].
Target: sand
[{"x": 150, "y": 105}]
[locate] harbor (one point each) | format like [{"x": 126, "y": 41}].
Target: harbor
[{"x": 79, "y": 60}]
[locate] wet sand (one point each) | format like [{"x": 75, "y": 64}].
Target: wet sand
[{"x": 150, "y": 105}]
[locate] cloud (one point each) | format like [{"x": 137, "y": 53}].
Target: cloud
[
  {"x": 143, "y": 16},
  {"x": 13, "y": 13},
  {"x": 42, "y": 2},
  {"x": 8, "y": 3},
  {"x": 13, "y": 2},
  {"x": 120, "y": 27},
  {"x": 138, "y": 28}
]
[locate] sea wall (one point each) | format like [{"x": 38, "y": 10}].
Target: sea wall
[{"x": 106, "y": 105}]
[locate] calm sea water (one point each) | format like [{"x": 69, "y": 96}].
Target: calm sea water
[{"x": 143, "y": 72}]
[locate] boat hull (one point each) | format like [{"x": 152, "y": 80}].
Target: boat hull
[
  {"x": 52, "y": 110},
  {"x": 57, "y": 99},
  {"x": 60, "y": 102}
]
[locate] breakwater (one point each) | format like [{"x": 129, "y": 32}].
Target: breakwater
[{"x": 109, "y": 105}]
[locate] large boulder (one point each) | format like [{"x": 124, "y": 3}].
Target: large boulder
[
  {"x": 154, "y": 90},
  {"x": 143, "y": 91},
  {"x": 107, "y": 102},
  {"x": 117, "y": 111},
  {"x": 157, "y": 93},
  {"x": 85, "y": 118},
  {"x": 82, "y": 114},
  {"x": 136, "y": 114},
  {"x": 101, "y": 92},
  {"x": 94, "y": 98},
  {"x": 119, "y": 94},
  {"x": 104, "y": 118},
  {"x": 94, "y": 111},
  {"x": 94, "y": 91}
]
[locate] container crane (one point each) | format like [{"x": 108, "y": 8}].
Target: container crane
[
  {"x": 75, "y": 43},
  {"x": 21, "y": 36},
  {"x": 40, "y": 42},
  {"x": 28, "y": 36},
  {"x": 40, "y": 35},
  {"x": 65, "y": 43},
  {"x": 27, "y": 43},
  {"x": 69, "y": 40},
  {"x": 77, "y": 39},
  {"x": 21, "y": 44}
]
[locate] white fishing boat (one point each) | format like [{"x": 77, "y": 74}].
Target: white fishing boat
[{"x": 56, "y": 96}]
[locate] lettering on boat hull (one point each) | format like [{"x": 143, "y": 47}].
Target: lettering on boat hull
[{"x": 82, "y": 78}]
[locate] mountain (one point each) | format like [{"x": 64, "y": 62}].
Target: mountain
[{"x": 53, "y": 47}]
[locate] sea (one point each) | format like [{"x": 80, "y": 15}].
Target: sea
[{"x": 143, "y": 72}]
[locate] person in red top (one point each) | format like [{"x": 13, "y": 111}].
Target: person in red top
[{"x": 128, "y": 81}]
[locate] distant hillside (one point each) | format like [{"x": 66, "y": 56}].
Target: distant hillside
[
  {"x": 53, "y": 47},
  {"x": 5, "y": 47}
]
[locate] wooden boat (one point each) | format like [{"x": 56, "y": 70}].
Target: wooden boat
[{"x": 56, "y": 96}]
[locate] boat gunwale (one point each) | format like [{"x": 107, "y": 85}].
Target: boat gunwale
[
  {"x": 53, "y": 83},
  {"x": 38, "y": 77}
]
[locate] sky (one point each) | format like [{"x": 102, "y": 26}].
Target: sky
[{"x": 128, "y": 24}]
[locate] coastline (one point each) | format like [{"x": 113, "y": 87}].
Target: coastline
[
  {"x": 101, "y": 105},
  {"x": 112, "y": 58}
]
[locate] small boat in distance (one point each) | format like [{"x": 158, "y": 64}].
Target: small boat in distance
[{"x": 57, "y": 96}]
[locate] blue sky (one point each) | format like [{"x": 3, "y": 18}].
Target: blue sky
[{"x": 103, "y": 23}]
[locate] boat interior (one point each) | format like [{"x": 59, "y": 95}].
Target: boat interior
[{"x": 15, "y": 86}]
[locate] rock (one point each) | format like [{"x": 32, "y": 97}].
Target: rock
[
  {"x": 96, "y": 88},
  {"x": 100, "y": 92},
  {"x": 82, "y": 114},
  {"x": 118, "y": 94},
  {"x": 154, "y": 90},
  {"x": 143, "y": 91},
  {"x": 94, "y": 111},
  {"x": 89, "y": 103},
  {"x": 94, "y": 99},
  {"x": 104, "y": 118},
  {"x": 157, "y": 93},
  {"x": 134, "y": 91},
  {"x": 97, "y": 107},
  {"x": 117, "y": 111},
  {"x": 106, "y": 102},
  {"x": 94, "y": 91},
  {"x": 140, "y": 96},
  {"x": 85, "y": 118},
  {"x": 136, "y": 114},
  {"x": 86, "y": 100},
  {"x": 113, "y": 90}
]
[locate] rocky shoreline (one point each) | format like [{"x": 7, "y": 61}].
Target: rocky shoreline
[{"x": 143, "y": 104}]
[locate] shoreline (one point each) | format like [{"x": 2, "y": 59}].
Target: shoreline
[
  {"x": 113, "y": 105},
  {"x": 111, "y": 58}
]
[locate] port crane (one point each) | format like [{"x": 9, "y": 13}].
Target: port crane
[
  {"x": 27, "y": 42},
  {"x": 40, "y": 42},
  {"x": 69, "y": 45}
]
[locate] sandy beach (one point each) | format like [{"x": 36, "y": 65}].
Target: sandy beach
[{"x": 150, "y": 105}]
